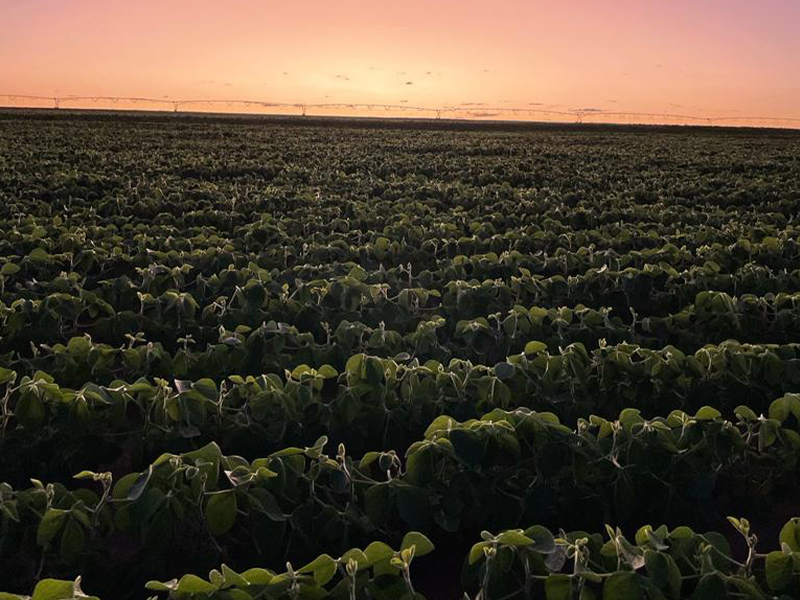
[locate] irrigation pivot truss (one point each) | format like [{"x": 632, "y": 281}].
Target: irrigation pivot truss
[{"x": 462, "y": 111}]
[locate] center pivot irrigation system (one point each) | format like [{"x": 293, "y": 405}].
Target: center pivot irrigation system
[{"x": 472, "y": 111}]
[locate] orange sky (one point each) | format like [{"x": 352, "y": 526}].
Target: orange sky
[{"x": 699, "y": 57}]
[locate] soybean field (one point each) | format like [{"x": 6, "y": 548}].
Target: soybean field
[{"x": 289, "y": 359}]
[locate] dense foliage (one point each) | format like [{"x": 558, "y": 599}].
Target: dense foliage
[{"x": 300, "y": 359}]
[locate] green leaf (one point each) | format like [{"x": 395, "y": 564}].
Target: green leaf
[
  {"x": 356, "y": 555},
  {"x": 123, "y": 486},
  {"x": 72, "y": 541},
  {"x": 258, "y": 576},
  {"x": 707, "y": 413},
  {"x": 232, "y": 578},
  {"x": 316, "y": 450},
  {"x": 423, "y": 544},
  {"x": 779, "y": 568},
  {"x": 266, "y": 503},
  {"x": 630, "y": 417},
  {"x": 476, "y": 552},
  {"x": 327, "y": 372},
  {"x": 9, "y": 509},
  {"x": 7, "y": 375},
  {"x": 30, "y": 410},
  {"x": 514, "y": 538},
  {"x": 207, "y": 388},
  {"x": 377, "y": 502},
  {"x": 663, "y": 571},
  {"x": 323, "y": 568},
  {"x": 746, "y": 413},
  {"x": 722, "y": 547},
  {"x": 38, "y": 255},
  {"x": 779, "y": 410},
  {"x": 543, "y": 540},
  {"x": 558, "y": 587},
  {"x": 710, "y": 587},
  {"x": 790, "y": 534},
  {"x": 749, "y": 588},
  {"x": 535, "y": 347},
  {"x": 192, "y": 584},
  {"x": 9, "y": 269},
  {"x": 622, "y": 585},
  {"x": 209, "y": 453},
  {"x": 140, "y": 484},
  {"x": 355, "y": 366},
  {"x": 50, "y": 525},
  {"x": 54, "y": 589},
  {"x": 378, "y": 551},
  {"x": 220, "y": 512}
]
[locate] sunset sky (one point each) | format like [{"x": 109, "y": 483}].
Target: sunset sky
[{"x": 699, "y": 57}]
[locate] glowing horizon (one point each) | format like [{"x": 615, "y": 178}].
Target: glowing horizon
[{"x": 708, "y": 59}]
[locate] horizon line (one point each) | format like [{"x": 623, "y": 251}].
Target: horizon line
[{"x": 473, "y": 113}]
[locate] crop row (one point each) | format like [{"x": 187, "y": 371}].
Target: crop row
[
  {"x": 377, "y": 402},
  {"x": 248, "y": 294},
  {"x": 254, "y": 343},
  {"x": 44, "y": 252},
  {"x": 655, "y": 564},
  {"x": 508, "y": 468},
  {"x": 229, "y": 345}
]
